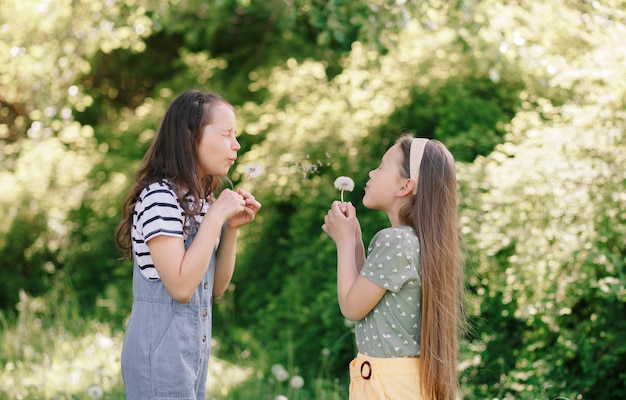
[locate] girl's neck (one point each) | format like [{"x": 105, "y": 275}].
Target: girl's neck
[{"x": 394, "y": 220}]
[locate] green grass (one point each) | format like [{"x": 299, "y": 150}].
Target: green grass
[{"x": 50, "y": 351}]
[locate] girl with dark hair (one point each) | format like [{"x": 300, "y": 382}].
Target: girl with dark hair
[
  {"x": 182, "y": 240},
  {"x": 406, "y": 296}
]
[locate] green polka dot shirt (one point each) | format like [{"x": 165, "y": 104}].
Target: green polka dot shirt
[{"x": 392, "y": 328}]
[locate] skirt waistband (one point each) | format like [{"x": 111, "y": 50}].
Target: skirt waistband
[{"x": 363, "y": 367}]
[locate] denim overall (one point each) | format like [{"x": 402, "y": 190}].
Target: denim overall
[{"x": 167, "y": 344}]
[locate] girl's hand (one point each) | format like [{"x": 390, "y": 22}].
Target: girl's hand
[
  {"x": 228, "y": 204},
  {"x": 246, "y": 215},
  {"x": 340, "y": 223}
]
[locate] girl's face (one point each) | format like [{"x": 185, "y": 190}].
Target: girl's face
[
  {"x": 384, "y": 182},
  {"x": 218, "y": 145}
]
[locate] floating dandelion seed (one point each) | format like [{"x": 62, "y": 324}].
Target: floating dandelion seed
[
  {"x": 253, "y": 170},
  {"x": 310, "y": 166},
  {"x": 344, "y": 183}
]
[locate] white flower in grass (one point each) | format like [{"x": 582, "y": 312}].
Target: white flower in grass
[
  {"x": 95, "y": 392},
  {"x": 344, "y": 183},
  {"x": 253, "y": 170},
  {"x": 296, "y": 381},
  {"x": 281, "y": 397},
  {"x": 280, "y": 373}
]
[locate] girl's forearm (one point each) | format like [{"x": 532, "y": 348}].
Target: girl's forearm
[
  {"x": 359, "y": 254},
  {"x": 347, "y": 270},
  {"x": 225, "y": 261},
  {"x": 180, "y": 269}
]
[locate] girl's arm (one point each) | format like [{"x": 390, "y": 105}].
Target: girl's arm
[
  {"x": 181, "y": 271},
  {"x": 225, "y": 260},
  {"x": 359, "y": 249},
  {"x": 226, "y": 252},
  {"x": 357, "y": 296}
]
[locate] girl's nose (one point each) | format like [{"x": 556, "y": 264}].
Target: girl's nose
[{"x": 236, "y": 145}]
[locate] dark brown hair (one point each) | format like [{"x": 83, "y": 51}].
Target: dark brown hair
[
  {"x": 173, "y": 156},
  {"x": 434, "y": 216}
]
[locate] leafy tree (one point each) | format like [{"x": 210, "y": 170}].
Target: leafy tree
[
  {"x": 46, "y": 154},
  {"x": 530, "y": 97},
  {"x": 536, "y": 216}
]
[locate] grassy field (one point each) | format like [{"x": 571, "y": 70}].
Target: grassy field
[{"x": 49, "y": 351}]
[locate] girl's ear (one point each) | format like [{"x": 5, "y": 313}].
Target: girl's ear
[{"x": 406, "y": 189}]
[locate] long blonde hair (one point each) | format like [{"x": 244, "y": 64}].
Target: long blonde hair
[{"x": 434, "y": 216}]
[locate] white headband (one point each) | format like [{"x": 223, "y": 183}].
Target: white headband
[{"x": 417, "y": 151}]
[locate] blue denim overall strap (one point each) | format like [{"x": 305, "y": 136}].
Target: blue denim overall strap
[{"x": 167, "y": 344}]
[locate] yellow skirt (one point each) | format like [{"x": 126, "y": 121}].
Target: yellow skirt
[{"x": 373, "y": 378}]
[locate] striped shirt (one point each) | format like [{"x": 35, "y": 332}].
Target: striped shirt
[{"x": 157, "y": 212}]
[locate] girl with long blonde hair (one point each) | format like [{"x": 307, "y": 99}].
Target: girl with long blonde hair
[{"x": 406, "y": 295}]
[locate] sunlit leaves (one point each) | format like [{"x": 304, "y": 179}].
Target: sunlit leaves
[
  {"x": 52, "y": 177},
  {"x": 537, "y": 210},
  {"x": 46, "y": 49}
]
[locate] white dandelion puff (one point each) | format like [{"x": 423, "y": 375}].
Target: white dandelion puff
[
  {"x": 95, "y": 392},
  {"x": 344, "y": 183},
  {"x": 296, "y": 381},
  {"x": 280, "y": 373},
  {"x": 253, "y": 170}
]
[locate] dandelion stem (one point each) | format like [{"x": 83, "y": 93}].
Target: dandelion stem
[{"x": 342, "y": 196}]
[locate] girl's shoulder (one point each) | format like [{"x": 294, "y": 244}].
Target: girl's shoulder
[
  {"x": 396, "y": 231},
  {"x": 160, "y": 191},
  {"x": 401, "y": 234}
]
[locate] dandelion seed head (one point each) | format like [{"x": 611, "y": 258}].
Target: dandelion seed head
[
  {"x": 280, "y": 373},
  {"x": 296, "y": 381},
  {"x": 253, "y": 170},
  {"x": 95, "y": 392},
  {"x": 344, "y": 183}
]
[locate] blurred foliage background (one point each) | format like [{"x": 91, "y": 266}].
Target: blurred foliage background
[{"x": 530, "y": 96}]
